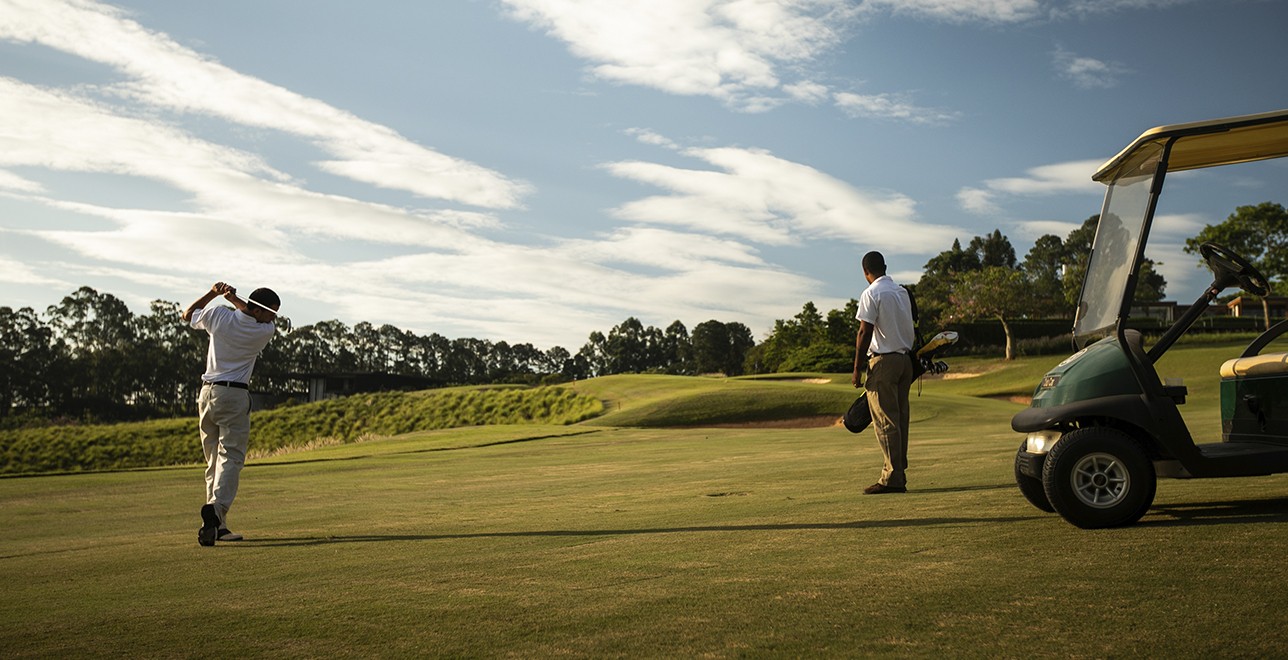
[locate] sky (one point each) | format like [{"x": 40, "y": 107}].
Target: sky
[{"x": 535, "y": 170}]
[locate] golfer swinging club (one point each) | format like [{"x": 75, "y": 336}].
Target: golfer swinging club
[
  {"x": 883, "y": 348},
  {"x": 236, "y": 338}
]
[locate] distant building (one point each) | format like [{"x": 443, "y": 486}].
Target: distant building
[{"x": 1250, "y": 306}]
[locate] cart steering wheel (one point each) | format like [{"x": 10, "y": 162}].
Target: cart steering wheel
[{"x": 1230, "y": 268}]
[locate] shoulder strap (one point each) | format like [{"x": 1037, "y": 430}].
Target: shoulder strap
[{"x": 916, "y": 327}]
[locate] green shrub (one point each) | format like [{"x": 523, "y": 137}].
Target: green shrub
[{"x": 820, "y": 357}]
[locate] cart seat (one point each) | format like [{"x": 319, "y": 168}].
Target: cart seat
[{"x": 1256, "y": 365}]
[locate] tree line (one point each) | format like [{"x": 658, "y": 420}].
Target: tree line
[{"x": 90, "y": 358}]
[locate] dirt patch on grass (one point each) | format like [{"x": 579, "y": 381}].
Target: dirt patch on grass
[{"x": 1022, "y": 399}]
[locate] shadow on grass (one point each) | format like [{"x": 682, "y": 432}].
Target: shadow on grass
[
  {"x": 497, "y": 443},
  {"x": 912, "y": 490},
  {"x": 268, "y": 461},
  {"x": 783, "y": 527},
  {"x": 1218, "y": 513}
]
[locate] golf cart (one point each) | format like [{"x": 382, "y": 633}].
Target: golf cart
[{"x": 1103, "y": 426}]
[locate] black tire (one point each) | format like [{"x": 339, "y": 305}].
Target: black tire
[
  {"x": 1099, "y": 477},
  {"x": 1031, "y": 487}
]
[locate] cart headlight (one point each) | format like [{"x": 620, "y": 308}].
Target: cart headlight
[{"x": 1041, "y": 442}]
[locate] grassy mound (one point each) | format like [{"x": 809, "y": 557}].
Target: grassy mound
[
  {"x": 174, "y": 441},
  {"x": 668, "y": 401}
]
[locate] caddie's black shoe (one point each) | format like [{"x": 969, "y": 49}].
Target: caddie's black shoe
[
  {"x": 209, "y": 525},
  {"x": 880, "y": 489}
]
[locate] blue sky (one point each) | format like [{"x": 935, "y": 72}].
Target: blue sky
[{"x": 534, "y": 170}]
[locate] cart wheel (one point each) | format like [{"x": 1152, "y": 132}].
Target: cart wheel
[
  {"x": 1099, "y": 477},
  {"x": 1031, "y": 487}
]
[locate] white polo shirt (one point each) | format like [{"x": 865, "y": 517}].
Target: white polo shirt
[
  {"x": 887, "y": 307},
  {"x": 236, "y": 339}
]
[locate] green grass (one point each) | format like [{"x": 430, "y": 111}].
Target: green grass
[{"x": 595, "y": 540}]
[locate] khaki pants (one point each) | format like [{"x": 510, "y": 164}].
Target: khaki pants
[
  {"x": 225, "y": 433},
  {"x": 889, "y": 380}
]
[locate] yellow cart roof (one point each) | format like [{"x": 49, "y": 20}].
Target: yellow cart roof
[{"x": 1204, "y": 144}]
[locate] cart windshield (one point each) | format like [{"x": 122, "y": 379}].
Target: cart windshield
[{"x": 1114, "y": 250}]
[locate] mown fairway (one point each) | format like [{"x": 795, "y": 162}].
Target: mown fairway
[{"x": 595, "y": 540}]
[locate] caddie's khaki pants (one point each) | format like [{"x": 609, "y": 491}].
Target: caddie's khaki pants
[
  {"x": 888, "y": 383},
  {"x": 225, "y": 433}
]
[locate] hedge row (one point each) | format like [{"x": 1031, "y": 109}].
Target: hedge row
[{"x": 175, "y": 441}]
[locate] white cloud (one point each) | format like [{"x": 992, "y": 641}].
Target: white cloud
[
  {"x": 961, "y": 11},
  {"x": 164, "y": 74},
  {"x": 1087, "y": 72},
  {"x": 1088, "y": 7},
  {"x": 1072, "y": 177},
  {"x": 1059, "y": 178},
  {"x": 62, "y": 132},
  {"x": 233, "y": 245},
  {"x": 11, "y": 181},
  {"x": 649, "y": 137},
  {"x": 753, "y": 195},
  {"x": 1032, "y": 229},
  {"x": 807, "y": 91},
  {"x": 19, "y": 272},
  {"x": 890, "y": 106},
  {"x": 249, "y": 221},
  {"x": 978, "y": 201},
  {"x": 739, "y": 51},
  {"x": 150, "y": 282},
  {"x": 729, "y": 50},
  {"x": 1178, "y": 225}
]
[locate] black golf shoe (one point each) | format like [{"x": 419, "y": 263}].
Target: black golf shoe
[{"x": 209, "y": 525}]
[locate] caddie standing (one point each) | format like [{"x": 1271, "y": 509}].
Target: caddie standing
[
  {"x": 883, "y": 348},
  {"x": 236, "y": 338}
]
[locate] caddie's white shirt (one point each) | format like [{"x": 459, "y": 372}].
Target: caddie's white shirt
[
  {"x": 236, "y": 339},
  {"x": 887, "y": 307}
]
